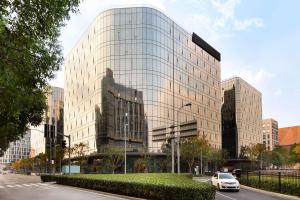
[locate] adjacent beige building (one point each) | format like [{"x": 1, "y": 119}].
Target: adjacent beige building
[
  {"x": 241, "y": 115},
  {"x": 154, "y": 67},
  {"x": 270, "y": 133}
]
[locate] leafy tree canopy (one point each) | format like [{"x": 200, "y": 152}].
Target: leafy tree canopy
[{"x": 30, "y": 53}]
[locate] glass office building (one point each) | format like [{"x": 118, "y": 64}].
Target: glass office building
[
  {"x": 154, "y": 67},
  {"x": 17, "y": 150},
  {"x": 241, "y": 115},
  {"x": 53, "y": 116}
]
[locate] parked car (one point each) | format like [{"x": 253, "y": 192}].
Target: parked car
[{"x": 225, "y": 181}]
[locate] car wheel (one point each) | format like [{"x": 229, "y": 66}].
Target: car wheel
[
  {"x": 237, "y": 190},
  {"x": 218, "y": 187}
]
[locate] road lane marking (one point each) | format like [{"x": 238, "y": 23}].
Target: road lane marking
[
  {"x": 32, "y": 184},
  {"x": 19, "y": 185},
  {"x": 225, "y": 196},
  {"x": 11, "y": 186},
  {"x": 43, "y": 184},
  {"x": 1, "y": 187},
  {"x": 26, "y": 185}
]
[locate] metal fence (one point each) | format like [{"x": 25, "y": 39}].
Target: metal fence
[{"x": 285, "y": 181}]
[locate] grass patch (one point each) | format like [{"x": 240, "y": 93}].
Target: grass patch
[{"x": 144, "y": 185}]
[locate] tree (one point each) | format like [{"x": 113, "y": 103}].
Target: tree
[
  {"x": 60, "y": 154},
  {"x": 217, "y": 157},
  {"x": 79, "y": 151},
  {"x": 293, "y": 156},
  {"x": 244, "y": 154},
  {"x": 296, "y": 149},
  {"x": 114, "y": 157},
  {"x": 191, "y": 148},
  {"x": 166, "y": 164},
  {"x": 259, "y": 150},
  {"x": 139, "y": 165},
  {"x": 30, "y": 53}
]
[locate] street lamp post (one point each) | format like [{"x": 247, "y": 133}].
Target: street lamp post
[
  {"x": 178, "y": 137},
  {"x": 125, "y": 138}
]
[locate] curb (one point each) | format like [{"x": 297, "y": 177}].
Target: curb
[{"x": 271, "y": 193}]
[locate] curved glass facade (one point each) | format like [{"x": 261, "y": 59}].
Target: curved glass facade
[{"x": 159, "y": 68}]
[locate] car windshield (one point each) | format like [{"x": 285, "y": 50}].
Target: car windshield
[{"x": 225, "y": 176}]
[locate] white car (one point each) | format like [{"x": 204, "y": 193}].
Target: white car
[{"x": 225, "y": 181}]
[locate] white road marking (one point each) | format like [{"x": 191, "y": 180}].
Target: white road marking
[
  {"x": 19, "y": 185},
  {"x": 11, "y": 186},
  {"x": 43, "y": 184},
  {"x": 32, "y": 184},
  {"x": 225, "y": 196},
  {"x": 1, "y": 187},
  {"x": 26, "y": 185}
]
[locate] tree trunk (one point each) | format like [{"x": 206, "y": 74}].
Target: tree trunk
[{"x": 190, "y": 167}]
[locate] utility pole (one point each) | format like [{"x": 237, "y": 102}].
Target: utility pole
[{"x": 125, "y": 138}]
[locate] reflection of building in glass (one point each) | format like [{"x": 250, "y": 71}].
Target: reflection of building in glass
[
  {"x": 19, "y": 149},
  {"x": 53, "y": 116},
  {"x": 151, "y": 54},
  {"x": 241, "y": 115},
  {"x": 270, "y": 133},
  {"x": 117, "y": 100}
]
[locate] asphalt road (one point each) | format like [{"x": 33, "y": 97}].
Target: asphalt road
[
  {"x": 243, "y": 194},
  {"x": 21, "y": 187}
]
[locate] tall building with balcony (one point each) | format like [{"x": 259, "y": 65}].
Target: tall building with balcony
[
  {"x": 270, "y": 133},
  {"x": 53, "y": 116},
  {"x": 139, "y": 61},
  {"x": 19, "y": 149},
  {"x": 241, "y": 115}
]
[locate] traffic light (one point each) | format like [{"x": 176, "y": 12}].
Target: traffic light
[
  {"x": 52, "y": 131},
  {"x": 63, "y": 144},
  {"x": 46, "y": 130}
]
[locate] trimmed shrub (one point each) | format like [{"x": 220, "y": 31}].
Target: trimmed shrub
[{"x": 164, "y": 190}]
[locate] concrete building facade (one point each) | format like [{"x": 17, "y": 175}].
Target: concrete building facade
[
  {"x": 159, "y": 65},
  {"x": 270, "y": 133},
  {"x": 241, "y": 115}
]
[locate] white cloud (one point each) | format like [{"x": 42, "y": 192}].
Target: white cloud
[
  {"x": 245, "y": 24},
  {"x": 222, "y": 22},
  {"x": 255, "y": 77}
]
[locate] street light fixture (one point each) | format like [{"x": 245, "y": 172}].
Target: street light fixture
[{"x": 178, "y": 137}]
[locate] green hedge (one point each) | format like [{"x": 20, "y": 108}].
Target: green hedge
[
  {"x": 165, "y": 189},
  {"x": 290, "y": 187}
]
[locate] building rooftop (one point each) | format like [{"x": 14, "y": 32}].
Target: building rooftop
[{"x": 289, "y": 135}]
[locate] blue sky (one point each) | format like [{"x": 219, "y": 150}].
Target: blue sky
[{"x": 258, "y": 40}]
